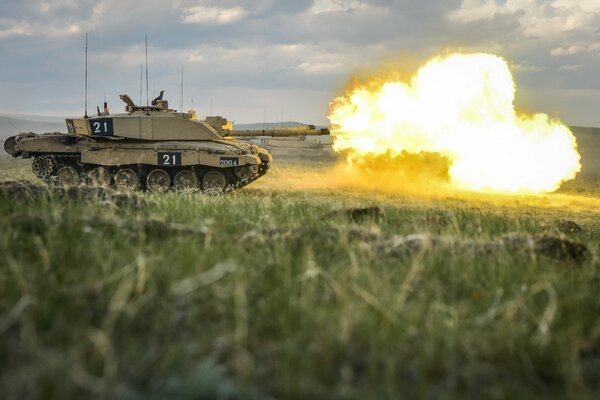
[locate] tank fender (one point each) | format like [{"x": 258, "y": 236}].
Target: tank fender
[
  {"x": 11, "y": 146},
  {"x": 265, "y": 157}
]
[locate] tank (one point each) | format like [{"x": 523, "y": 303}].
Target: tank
[{"x": 147, "y": 147}]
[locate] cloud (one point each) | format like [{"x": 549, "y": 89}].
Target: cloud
[
  {"x": 525, "y": 67},
  {"x": 319, "y": 67},
  {"x": 567, "y": 51},
  {"x": 571, "y": 67},
  {"x": 213, "y": 15},
  {"x": 575, "y": 49},
  {"x": 14, "y": 28},
  {"x": 475, "y": 10},
  {"x": 38, "y": 21},
  {"x": 340, "y": 6},
  {"x": 284, "y": 47},
  {"x": 536, "y": 18}
]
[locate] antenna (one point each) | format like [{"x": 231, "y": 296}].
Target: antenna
[
  {"x": 146, "y": 39},
  {"x": 181, "y": 102},
  {"x": 141, "y": 82},
  {"x": 86, "y": 74},
  {"x": 211, "y": 113},
  {"x": 10, "y": 122}
]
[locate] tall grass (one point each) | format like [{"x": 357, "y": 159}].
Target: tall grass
[{"x": 266, "y": 293}]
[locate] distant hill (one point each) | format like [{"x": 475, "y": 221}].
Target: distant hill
[
  {"x": 11, "y": 125},
  {"x": 588, "y": 144},
  {"x": 582, "y": 130}
]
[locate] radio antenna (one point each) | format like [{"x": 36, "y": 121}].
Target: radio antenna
[
  {"x": 181, "y": 101},
  {"x": 13, "y": 125},
  {"x": 86, "y": 75},
  {"x": 146, "y": 38},
  {"x": 141, "y": 83}
]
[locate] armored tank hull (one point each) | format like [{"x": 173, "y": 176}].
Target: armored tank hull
[{"x": 152, "y": 148}]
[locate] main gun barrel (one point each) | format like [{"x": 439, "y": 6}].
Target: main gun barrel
[{"x": 278, "y": 132}]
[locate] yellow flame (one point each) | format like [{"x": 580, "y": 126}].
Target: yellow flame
[{"x": 461, "y": 107}]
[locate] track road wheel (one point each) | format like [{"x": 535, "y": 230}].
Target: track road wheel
[
  {"x": 68, "y": 176},
  {"x": 43, "y": 167},
  {"x": 185, "y": 180},
  {"x": 127, "y": 180},
  {"x": 214, "y": 182},
  {"x": 99, "y": 176},
  {"x": 158, "y": 181}
]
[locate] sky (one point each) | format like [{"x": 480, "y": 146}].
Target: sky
[{"x": 277, "y": 60}]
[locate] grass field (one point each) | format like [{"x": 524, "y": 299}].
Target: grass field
[{"x": 276, "y": 291}]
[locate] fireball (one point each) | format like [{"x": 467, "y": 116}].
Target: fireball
[{"x": 460, "y": 107}]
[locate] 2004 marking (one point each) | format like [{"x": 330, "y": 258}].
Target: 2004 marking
[{"x": 228, "y": 161}]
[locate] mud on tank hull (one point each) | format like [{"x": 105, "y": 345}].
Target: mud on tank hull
[{"x": 211, "y": 166}]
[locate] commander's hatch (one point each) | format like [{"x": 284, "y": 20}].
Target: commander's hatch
[
  {"x": 158, "y": 104},
  {"x": 127, "y": 100}
]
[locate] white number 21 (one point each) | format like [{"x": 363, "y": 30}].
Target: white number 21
[
  {"x": 98, "y": 126},
  {"x": 169, "y": 159}
]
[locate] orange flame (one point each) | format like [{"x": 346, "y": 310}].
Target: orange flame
[{"x": 460, "y": 107}]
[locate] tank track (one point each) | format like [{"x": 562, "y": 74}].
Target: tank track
[{"x": 68, "y": 170}]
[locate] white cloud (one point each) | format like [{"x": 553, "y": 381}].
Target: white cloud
[
  {"x": 525, "y": 67},
  {"x": 536, "y": 18},
  {"x": 319, "y": 67},
  {"x": 298, "y": 57},
  {"x": 337, "y": 6},
  {"x": 571, "y": 67},
  {"x": 566, "y": 28},
  {"x": 475, "y": 10},
  {"x": 567, "y": 51},
  {"x": 45, "y": 26},
  {"x": 585, "y": 5},
  {"x": 211, "y": 15},
  {"x": 575, "y": 49},
  {"x": 10, "y": 28}
]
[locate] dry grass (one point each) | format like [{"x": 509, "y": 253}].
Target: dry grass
[{"x": 267, "y": 292}]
